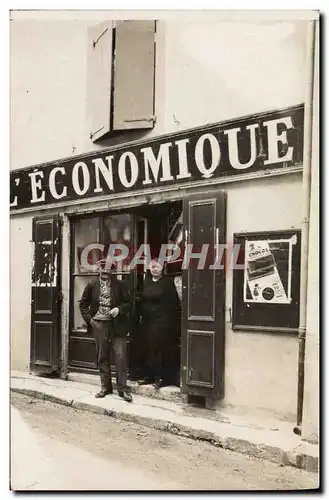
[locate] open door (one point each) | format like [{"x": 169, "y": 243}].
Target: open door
[
  {"x": 46, "y": 296},
  {"x": 203, "y": 297}
]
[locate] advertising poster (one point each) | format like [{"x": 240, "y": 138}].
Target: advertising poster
[{"x": 267, "y": 275}]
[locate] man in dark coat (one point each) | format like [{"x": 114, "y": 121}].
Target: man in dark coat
[{"x": 105, "y": 306}]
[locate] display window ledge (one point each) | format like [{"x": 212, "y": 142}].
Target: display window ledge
[{"x": 264, "y": 329}]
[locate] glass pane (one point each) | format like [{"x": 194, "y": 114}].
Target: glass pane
[
  {"x": 80, "y": 282},
  {"x": 127, "y": 278},
  {"x": 118, "y": 231},
  {"x": 87, "y": 232}
]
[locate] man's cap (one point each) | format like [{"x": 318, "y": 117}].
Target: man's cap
[{"x": 105, "y": 265}]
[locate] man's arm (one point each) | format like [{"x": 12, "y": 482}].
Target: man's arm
[
  {"x": 125, "y": 300},
  {"x": 85, "y": 302},
  {"x": 172, "y": 296}
]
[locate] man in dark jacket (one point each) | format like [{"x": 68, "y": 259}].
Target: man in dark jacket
[{"x": 105, "y": 306}]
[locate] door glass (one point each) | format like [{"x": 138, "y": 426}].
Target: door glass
[
  {"x": 80, "y": 282},
  {"x": 142, "y": 239},
  {"x": 118, "y": 233},
  {"x": 87, "y": 234}
]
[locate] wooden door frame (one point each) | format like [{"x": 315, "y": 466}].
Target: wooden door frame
[{"x": 66, "y": 287}]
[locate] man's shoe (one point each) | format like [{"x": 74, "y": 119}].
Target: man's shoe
[
  {"x": 103, "y": 392},
  {"x": 159, "y": 383},
  {"x": 126, "y": 395},
  {"x": 145, "y": 381}
]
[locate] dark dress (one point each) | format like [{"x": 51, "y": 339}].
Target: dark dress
[{"x": 160, "y": 311}]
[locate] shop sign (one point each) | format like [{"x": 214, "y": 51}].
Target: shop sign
[{"x": 257, "y": 143}]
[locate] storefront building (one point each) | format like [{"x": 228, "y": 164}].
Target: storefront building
[{"x": 143, "y": 133}]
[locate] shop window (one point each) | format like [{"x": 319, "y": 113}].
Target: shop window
[
  {"x": 86, "y": 232},
  {"x": 266, "y": 281},
  {"x": 79, "y": 285},
  {"x": 118, "y": 231},
  {"x": 121, "y": 69}
]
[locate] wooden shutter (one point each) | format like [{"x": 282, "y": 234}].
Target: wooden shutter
[
  {"x": 46, "y": 295},
  {"x": 203, "y": 299},
  {"x": 99, "y": 80},
  {"x": 134, "y": 70}
]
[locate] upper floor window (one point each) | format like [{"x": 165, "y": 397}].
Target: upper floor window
[{"x": 121, "y": 71}]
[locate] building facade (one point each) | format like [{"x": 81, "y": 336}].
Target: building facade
[{"x": 121, "y": 126}]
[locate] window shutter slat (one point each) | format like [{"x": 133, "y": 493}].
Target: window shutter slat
[
  {"x": 134, "y": 75},
  {"x": 99, "y": 79}
]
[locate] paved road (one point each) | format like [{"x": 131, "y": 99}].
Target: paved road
[
  {"x": 40, "y": 462},
  {"x": 57, "y": 447}
]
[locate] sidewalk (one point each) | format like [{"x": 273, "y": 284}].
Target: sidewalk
[{"x": 258, "y": 436}]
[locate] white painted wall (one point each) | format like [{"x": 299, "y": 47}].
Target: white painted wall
[
  {"x": 48, "y": 74},
  {"x": 311, "y": 421},
  {"x": 311, "y": 425},
  {"x": 206, "y": 72},
  {"x": 229, "y": 70},
  {"x": 261, "y": 368},
  {"x": 20, "y": 291}
]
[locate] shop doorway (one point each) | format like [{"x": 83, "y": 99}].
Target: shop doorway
[
  {"x": 197, "y": 220},
  {"x": 150, "y": 225},
  {"x": 157, "y": 225},
  {"x": 198, "y": 226}
]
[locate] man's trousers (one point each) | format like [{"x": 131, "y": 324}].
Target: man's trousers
[{"x": 104, "y": 339}]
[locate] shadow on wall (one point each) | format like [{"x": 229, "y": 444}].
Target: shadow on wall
[{"x": 122, "y": 137}]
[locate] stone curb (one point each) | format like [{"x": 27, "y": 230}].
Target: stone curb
[{"x": 295, "y": 458}]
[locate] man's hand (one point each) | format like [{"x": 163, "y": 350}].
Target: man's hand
[{"x": 114, "y": 312}]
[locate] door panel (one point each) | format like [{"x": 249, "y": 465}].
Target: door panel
[
  {"x": 200, "y": 344},
  {"x": 201, "y": 282},
  {"x": 83, "y": 352},
  {"x": 203, "y": 296},
  {"x": 46, "y": 297},
  {"x": 43, "y": 342}
]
